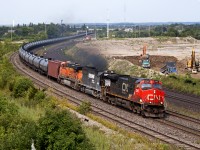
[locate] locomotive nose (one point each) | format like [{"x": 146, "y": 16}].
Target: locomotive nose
[{"x": 154, "y": 97}]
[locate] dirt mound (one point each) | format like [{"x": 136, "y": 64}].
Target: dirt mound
[{"x": 157, "y": 62}]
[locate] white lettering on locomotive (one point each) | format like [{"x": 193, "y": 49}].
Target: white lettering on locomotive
[
  {"x": 107, "y": 82},
  {"x": 91, "y": 76},
  {"x": 124, "y": 87},
  {"x": 152, "y": 97}
]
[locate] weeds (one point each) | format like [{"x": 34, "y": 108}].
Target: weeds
[{"x": 84, "y": 108}]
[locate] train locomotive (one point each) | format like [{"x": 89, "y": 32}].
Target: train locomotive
[{"x": 140, "y": 95}]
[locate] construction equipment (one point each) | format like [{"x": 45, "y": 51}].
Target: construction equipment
[
  {"x": 170, "y": 67},
  {"x": 193, "y": 63},
  {"x": 145, "y": 60}
]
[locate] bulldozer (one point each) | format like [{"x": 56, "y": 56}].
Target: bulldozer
[{"x": 193, "y": 63}]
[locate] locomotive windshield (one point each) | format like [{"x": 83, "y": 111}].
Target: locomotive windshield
[
  {"x": 157, "y": 86},
  {"x": 147, "y": 86}
]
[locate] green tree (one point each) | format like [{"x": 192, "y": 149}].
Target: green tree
[
  {"x": 21, "y": 86},
  {"x": 53, "y": 31},
  {"x": 16, "y": 132},
  {"x": 60, "y": 130}
]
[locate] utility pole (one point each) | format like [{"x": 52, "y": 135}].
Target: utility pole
[
  {"x": 86, "y": 30},
  {"x": 124, "y": 13},
  {"x": 139, "y": 30},
  {"x": 108, "y": 24},
  {"x": 149, "y": 31},
  {"x": 11, "y": 33},
  {"x": 45, "y": 28},
  {"x": 13, "y": 24},
  {"x": 95, "y": 32},
  {"x": 61, "y": 28},
  {"x": 135, "y": 31}
]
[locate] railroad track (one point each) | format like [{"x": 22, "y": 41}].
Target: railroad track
[
  {"x": 178, "y": 126},
  {"x": 172, "y": 113},
  {"x": 108, "y": 114},
  {"x": 191, "y": 102},
  {"x": 190, "y": 99}
]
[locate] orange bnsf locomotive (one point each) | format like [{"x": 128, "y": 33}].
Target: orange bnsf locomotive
[{"x": 140, "y": 95}]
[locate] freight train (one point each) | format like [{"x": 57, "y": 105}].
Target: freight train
[{"x": 140, "y": 95}]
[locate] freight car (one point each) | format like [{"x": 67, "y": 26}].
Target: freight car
[{"x": 140, "y": 95}]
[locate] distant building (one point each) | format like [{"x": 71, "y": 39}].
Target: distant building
[
  {"x": 128, "y": 30},
  {"x": 9, "y": 31}
]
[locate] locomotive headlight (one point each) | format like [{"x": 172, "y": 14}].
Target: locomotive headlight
[
  {"x": 140, "y": 100},
  {"x": 161, "y": 102}
]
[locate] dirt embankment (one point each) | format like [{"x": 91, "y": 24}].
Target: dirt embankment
[{"x": 161, "y": 50}]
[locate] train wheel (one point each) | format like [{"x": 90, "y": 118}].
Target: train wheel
[
  {"x": 143, "y": 114},
  {"x": 134, "y": 111}
]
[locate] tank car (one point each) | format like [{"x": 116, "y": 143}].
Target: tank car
[{"x": 43, "y": 66}]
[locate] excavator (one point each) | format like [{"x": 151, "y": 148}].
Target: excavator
[
  {"x": 193, "y": 63},
  {"x": 144, "y": 58}
]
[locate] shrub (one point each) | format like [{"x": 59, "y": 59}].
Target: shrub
[
  {"x": 21, "y": 87},
  {"x": 40, "y": 95},
  {"x": 84, "y": 108},
  {"x": 11, "y": 85},
  {"x": 31, "y": 93},
  {"x": 61, "y": 130},
  {"x": 189, "y": 81},
  {"x": 15, "y": 131}
]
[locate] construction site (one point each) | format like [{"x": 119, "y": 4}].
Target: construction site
[{"x": 176, "y": 55}]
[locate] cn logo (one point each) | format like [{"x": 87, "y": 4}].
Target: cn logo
[{"x": 152, "y": 97}]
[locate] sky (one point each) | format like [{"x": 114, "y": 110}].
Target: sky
[{"x": 98, "y": 11}]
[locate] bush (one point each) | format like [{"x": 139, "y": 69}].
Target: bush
[
  {"x": 21, "y": 87},
  {"x": 11, "y": 85},
  {"x": 61, "y": 130},
  {"x": 84, "y": 108},
  {"x": 31, "y": 93},
  {"x": 15, "y": 132},
  {"x": 40, "y": 95}
]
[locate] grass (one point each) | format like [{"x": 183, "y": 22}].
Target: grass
[
  {"x": 182, "y": 83},
  {"x": 33, "y": 113},
  {"x": 122, "y": 141}
]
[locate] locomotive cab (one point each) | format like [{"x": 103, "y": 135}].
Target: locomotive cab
[{"x": 149, "y": 96}]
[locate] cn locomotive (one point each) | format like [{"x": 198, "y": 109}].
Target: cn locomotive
[{"x": 140, "y": 95}]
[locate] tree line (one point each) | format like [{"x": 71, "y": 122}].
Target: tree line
[
  {"x": 38, "y": 31},
  {"x": 173, "y": 30}
]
